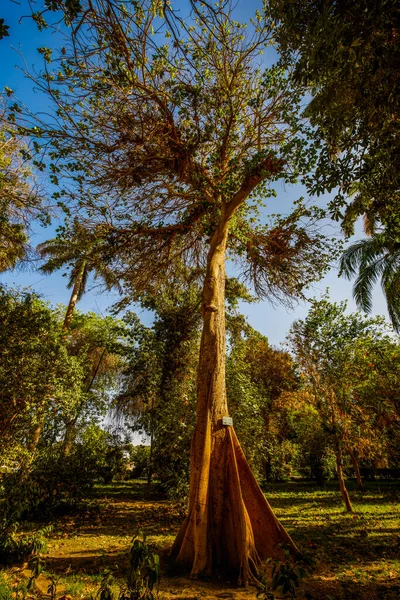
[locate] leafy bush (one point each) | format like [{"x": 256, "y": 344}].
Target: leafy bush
[
  {"x": 278, "y": 457},
  {"x": 178, "y": 491},
  {"x": 50, "y": 484},
  {"x": 14, "y": 547}
]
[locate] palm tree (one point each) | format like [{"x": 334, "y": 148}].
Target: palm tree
[
  {"x": 377, "y": 256},
  {"x": 76, "y": 249}
]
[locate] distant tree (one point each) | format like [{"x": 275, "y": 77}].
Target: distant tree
[
  {"x": 74, "y": 248},
  {"x": 20, "y": 201},
  {"x": 170, "y": 135},
  {"x": 258, "y": 376},
  {"x": 98, "y": 342},
  {"x": 331, "y": 348},
  {"x": 158, "y": 386},
  {"x": 37, "y": 375}
]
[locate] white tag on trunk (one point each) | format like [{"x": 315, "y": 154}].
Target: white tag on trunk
[{"x": 227, "y": 421}]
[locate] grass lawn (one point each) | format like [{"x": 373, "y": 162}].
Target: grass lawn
[{"x": 356, "y": 556}]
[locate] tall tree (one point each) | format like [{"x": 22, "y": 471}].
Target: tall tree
[
  {"x": 74, "y": 248},
  {"x": 330, "y": 347},
  {"x": 172, "y": 134}
]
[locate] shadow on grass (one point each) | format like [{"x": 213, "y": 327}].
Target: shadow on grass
[
  {"x": 131, "y": 489},
  {"x": 353, "y": 552},
  {"x": 90, "y": 562}
]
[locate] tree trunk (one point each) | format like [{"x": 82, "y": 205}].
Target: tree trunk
[
  {"x": 150, "y": 463},
  {"x": 73, "y": 299},
  {"x": 342, "y": 484},
  {"x": 356, "y": 465},
  {"x": 230, "y": 525},
  {"x": 69, "y": 438},
  {"x": 70, "y": 427},
  {"x": 37, "y": 432}
]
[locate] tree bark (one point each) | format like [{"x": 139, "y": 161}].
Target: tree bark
[
  {"x": 74, "y": 298},
  {"x": 230, "y": 525},
  {"x": 343, "y": 489},
  {"x": 150, "y": 463},
  {"x": 69, "y": 438},
  {"x": 37, "y": 432},
  {"x": 356, "y": 466}
]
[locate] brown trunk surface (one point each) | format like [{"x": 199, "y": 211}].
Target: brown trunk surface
[
  {"x": 150, "y": 467},
  {"x": 69, "y": 438},
  {"x": 356, "y": 465},
  {"x": 73, "y": 299},
  {"x": 230, "y": 525},
  {"x": 37, "y": 432},
  {"x": 342, "y": 484}
]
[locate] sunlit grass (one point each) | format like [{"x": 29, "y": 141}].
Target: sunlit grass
[{"x": 356, "y": 555}]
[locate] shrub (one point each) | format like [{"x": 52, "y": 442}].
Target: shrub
[{"x": 50, "y": 484}]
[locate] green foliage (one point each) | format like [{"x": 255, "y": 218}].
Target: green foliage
[
  {"x": 143, "y": 571},
  {"x": 142, "y": 578},
  {"x": 285, "y": 580},
  {"x": 3, "y": 33},
  {"x": 159, "y": 384},
  {"x": 15, "y": 547},
  {"x": 336, "y": 353},
  {"x": 260, "y": 382},
  {"x": 140, "y": 457},
  {"x": 52, "y": 483},
  {"x": 348, "y": 55},
  {"x": 373, "y": 258},
  {"x": 20, "y": 201},
  {"x": 177, "y": 488},
  {"x": 313, "y": 457},
  {"x": 38, "y": 377}
]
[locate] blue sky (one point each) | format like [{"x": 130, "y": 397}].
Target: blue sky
[{"x": 21, "y": 49}]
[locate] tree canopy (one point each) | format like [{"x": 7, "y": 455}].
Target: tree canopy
[{"x": 348, "y": 56}]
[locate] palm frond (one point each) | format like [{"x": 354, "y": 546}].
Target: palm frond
[
  {"x": 361, "y": 253},
  {"x": 367, "y": 277},
  {"x": 391, "y": 289}
]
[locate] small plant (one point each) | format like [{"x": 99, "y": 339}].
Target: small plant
[
  {"x": 52, "y": 587},
  {"x": 143, "y": 572},
  {"x": 36, "y": 566},
  {"x": 143, "y": 575},
  {"x": 285, "y": 580},
  {"x": 105, "y": 591}
]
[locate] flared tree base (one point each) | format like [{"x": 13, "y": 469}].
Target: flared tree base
[{"x": 230, "y": 525}]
